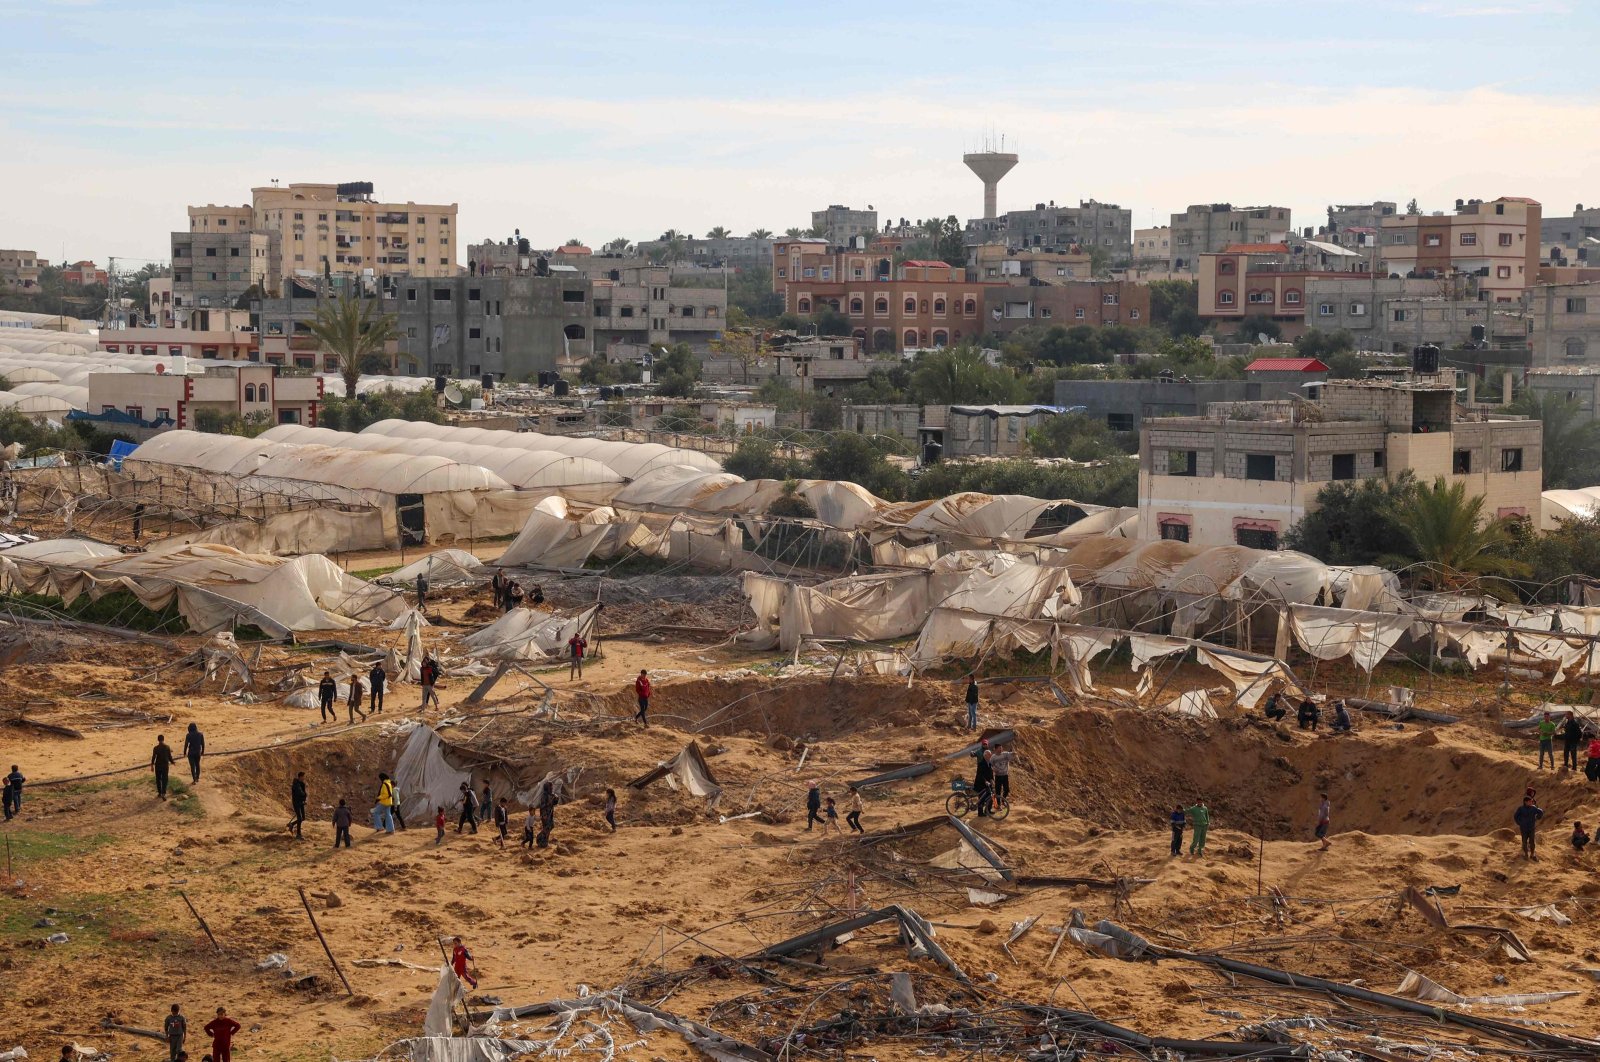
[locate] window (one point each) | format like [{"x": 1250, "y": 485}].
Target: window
[
  {"x": 1256, "y": 537},
  {"x": 1469, "y": 239},
  {"x": 1044, "y": 311},
  {"x": 809, "y": 272},
  {"x": 1324, "y": 309},
  {"x": 688, "y": 311},
  {"x": 1578, "y": 305},
  {"x": 1078, "y": 313},
  {"x": 782, "y": 272},
  {"x": 211, "y": 252},
  {"x": 1503, "y": 272},
  {"x": 1434, "y": 240},
  {"x": 938, "y": 306},
  {"x": 804, "y": 306},
  {"x": 1122, "y": 421},
  {"x": 1182, "y": 462},
  {"x": 1511, "y": 459},
  {"x": 911, "y": 305},
  {"x": 1224, "y": 298},
  {"x": 1358, "y": 309},
  {"x": 136, "y": 412},
  {"x": 1133, "y": 315},
  {"x": 1260, "y": 466},
  {"x": 1111, "y": 298},
  {"x": 1576, "y": 347},
  {"x": 1344, "y": 466},
  {"x": 1174, "y": 531},
  {"x": 474, "y": 333},
  {"x": 1505, "y": 239},
  {"x": 441, "y": 294},
  {"x": 855, "y": 306},
  {"x": 1226, "y": 267},
  {"x": 970, "y": 308},
  {"x": 571, "y": 295},
  {"x": 474, "y": 294},
  {"x": 1291, "y": 297},
  {"x": 910, "y": 338},
  {"x": 1402, "y": 315},
  {"x": 881, "y": 306},
  {"x": 163, "y": 413},
  {"x": 1377, "y": 459},
  {"x": 1461, "y": 462}
]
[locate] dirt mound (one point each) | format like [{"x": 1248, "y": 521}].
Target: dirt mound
[
  {"x": 1129, "y": 770},
  {"x": 808, "y": 710}
]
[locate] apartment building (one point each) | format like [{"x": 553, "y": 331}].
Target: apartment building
[
  {"x": 1564, "y": 325},
  {"x": 1268, "y": 280},
  {"x": 1496, "y": 240},
  {"x": 158, "y": 309},
  {"x": 340, "y": 230},
  {"x": 1009, "y": 307},
  {"x": 145, "y": 404},
  {"x": 841, "y": 225},
  {"x": 734, "y": 252},
  {"x": 230, "y": 340},
  {"x": 1578, "y": 384},
  {"x": 1152, "y": 248},
  {"x": 1209, "y": 228},
  {"x": 642, "y": 304},
  {"x": 212, "y": 270},
  {"x": 1396, "y": 314},
  {"x": 1089, "y": 224},
  {"x": 1245, "y": 473},
  {"x": 83, "y": 273},
  {"x": 999, "y": 264},
  {"x": 19, "y": 270},
  {"x": 512, "y": 327},
  {"x": 917, "y": 304}
]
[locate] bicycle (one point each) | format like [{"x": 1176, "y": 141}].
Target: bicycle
[{"x": 964, "y": 800}]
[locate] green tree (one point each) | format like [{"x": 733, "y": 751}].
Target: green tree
[
  {"x": 961, "y": 374},
  {"x": 1077, "y": 345},
  {"x": 760, "y": 234},
  {"x": 1076, "y": 436},
  {"x": 1175, "y": 306},
  {"x": 1573, "y": 548},
  {"x": 1319, "y": 344},
  {"x": 718, "y": 232},
  {"x": 1258, "y": 325},
  {"x": 1448, "y": 535},
  {"x": 1099, "y": 260},
  {"x": 757, "y": 457},
  {"x": 1571, "y": 450},
  {"x": 857, "y": 459},
  {"x": 350, "y": 329},
  {"x": 1355, "y": 522},
  {"x": 619, "y": 245},
  {"x": 678, "y": 371},
  {"x": 794, "y": 232},
  {"x": 831, "y": 322}
]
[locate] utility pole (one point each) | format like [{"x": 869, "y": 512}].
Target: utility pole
[{"x": 111, "y": 288}]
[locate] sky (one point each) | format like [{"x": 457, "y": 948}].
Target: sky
[{"x": 603, "y": 119}]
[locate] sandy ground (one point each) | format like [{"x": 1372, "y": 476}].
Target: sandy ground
[{"x": 663, "y": 902}]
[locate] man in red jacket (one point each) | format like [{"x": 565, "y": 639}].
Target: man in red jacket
[
  {"x": 222, "y": 1029},
  {"x": 641, "y": 686}
]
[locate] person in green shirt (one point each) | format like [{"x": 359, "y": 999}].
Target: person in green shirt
[
  {"x": 1200, "y": 821},
  {"x": 1547, "y": 741}
]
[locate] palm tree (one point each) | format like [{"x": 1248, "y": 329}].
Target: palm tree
[
  {"x": 718, "y": 233},
  {"x": 1571, "y": 441},
  {"x": 816, "y": 232},
  {"x": 573, "y": 242},
  {"x": 760, "y": 234},
  {"x": 677, "y": 244},
  {"x": 794, "y": 232},
  {"x": 351, "y": 330},
  {"x": 620, "y": 245},
  {"x": 1451, "y": 539}
]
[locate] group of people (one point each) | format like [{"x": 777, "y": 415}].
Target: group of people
[
  {"x": 1570, "y": 730},
  {"x": 509, "y": 594},
  {"x": 175, "y": 1031},
  {"x": 991, "y": 780},
  {"x": 377, "y": 682},
  {"x": 824, "y": 811},
  {"x": 1309, "y": 714},
  {"x": 161, "y": 757},
  {"x": 13, "y": 792}
]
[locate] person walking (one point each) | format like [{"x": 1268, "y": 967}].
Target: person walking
[
  {"x": 611, "y": 809},
  {"x": 1000, "y": 764},
  {"x": 641, "y": 689},
  {"x": 175, "y": 1027},
  {"x": 1580, "y": 838},
  {"x": 377, "y": 678},
  {"x": 575, "y": 646},
  {"x": 972, "y": 702},
  {"x": 460, "y": 957},
  {"x": 497, "y": 586},
  {"x": 983, "y": 778},
  {"x": 327, "y": 690},
  {"x": 1200, "y": 820},
  {"x": 814, "y": 804},
  {"x": 161, "y": 764},
  {"x": 1527, "y": 819},
  {"x": 13, "y": 792},
  {"x": 1571, "y": 738},
  {"x": 352, "y": 704},
  {"x": 469, "y": 809},
  {"x": 1178, "y": 821},
  {"x": 438, "y": 827},
  {"x": 428, "y": 674},
  {"x": 547, "y": 815},
  {"x": 528, "y": 828},
  {"x": 1324, "y": 815},
  {"x": 385, "y": 819},
  {"x": 502, "y": 823},
  {"x": 422, "y": 592},
  {"x": 486, "y": 805},
  {"x": 854, "y": 817},
  {"x": 831, "y": 812},
  {"x": 222, "y": 1029},
  {"x": 1547, "y": 741},
  {"x": 399, "y": 816},
  {"x": 1591, "y": 768},
  {"x": 341, "y": 824},
  {"x": 297, "y": 800},
  {"x": 194, "y": 746}
]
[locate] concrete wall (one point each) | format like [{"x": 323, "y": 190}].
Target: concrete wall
[
  {"x": 1122, "y": 404},
  {"x": 516, "y": 327}
]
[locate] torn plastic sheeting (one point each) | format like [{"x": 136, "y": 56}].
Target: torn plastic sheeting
[
  {"x": 1561, "y": 652},
  {"x": 1103, "y": 942},
  {"x": 1251, "y": 677},
  {"x": 1544, "y": 913},
  {"x": 529, "y": 634},
  {"x": 1148, "y": 647},
  {"x": 1418, "y": 986},
  {"x": 1331, "y": 633},
  {"x": 981, "y": 846},
  {"x": 437, "y": 1023},
  {"x": 1195, "y": 703},
  {"x": 687, "y": 770},
  {"x": 984, "y": 898}
]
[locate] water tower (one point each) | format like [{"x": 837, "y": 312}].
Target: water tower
[{"x": 990, "y": 166}]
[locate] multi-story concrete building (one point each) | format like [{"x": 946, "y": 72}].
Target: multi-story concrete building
[
  {"x": 1089, "y": 224},
  {"x": 917, "y": 304},
  {"x": 213, "y": 270},
  {"x": 158, "y": 308},
  {"x": 1396, "y": 314},
  {"x": 19, "y": 270},
  {"x": 1268, "y": 280},
  {"x": 998, "y": 264},
  {"x": 1356, "y": 227},
  {"x": 143, "y": 404},
  {"x": 510, "y": 326},
  {"x": 82, "y": 273},
  {"x": 1571, "y": 241},
  {"x": 1208, "y": 228},
  {"x": 1152, "y": 248},
  {"x": 841, "y": 225},
  {"x": 644, "y": 305},
  {"x": 230, "y": 340},
  {"x": 1497, "y": 240},
  {"x": 735, "y": 252},
  {"x": 1122, "y": 404},
  {"x": 339, "y": 230},
  {"x": 1087, "y": 302},
  {"x": 1564, "y": 325},
  {"x": 1578, "y": 384},
  {"x": 1246, "y": 473}
]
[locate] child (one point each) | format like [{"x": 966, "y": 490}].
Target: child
[
  {"x": 438, "y": 827},
  {"x": 611, "y": 810},
  {"x": 502, "y": 821},
  {"x": 527, "y": 830},
  {"x": 1579, "y": 838},
  {"x": 854, "y": 818},
  {"x": 833, "y": 816}
]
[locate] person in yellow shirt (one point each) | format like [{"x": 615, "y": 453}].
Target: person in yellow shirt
[{"x": 385, "y": 820}]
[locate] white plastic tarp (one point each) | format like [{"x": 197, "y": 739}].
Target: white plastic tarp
[
  {"x": 442, "y": 568},
  {"x": 1332, "y": 633},
  {"x": 529, "y": 634},
  {"x": 423, "y": 777}
]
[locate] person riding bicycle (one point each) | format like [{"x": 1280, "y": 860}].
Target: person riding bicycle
[{"x": 983, "y": 777}]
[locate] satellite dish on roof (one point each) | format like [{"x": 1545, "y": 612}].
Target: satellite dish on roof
[{"x": 452, "y": 394}]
